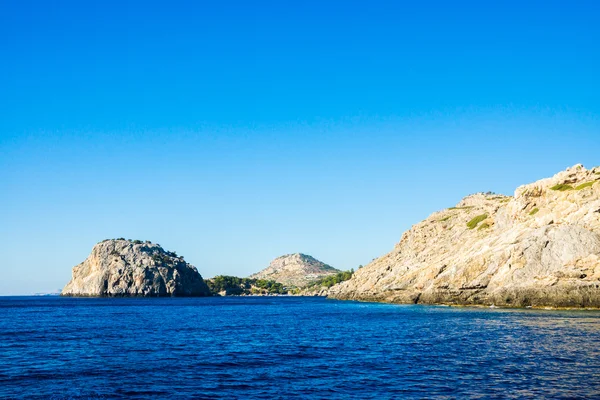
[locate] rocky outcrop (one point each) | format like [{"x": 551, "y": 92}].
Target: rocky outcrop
[
  {"x": 538, "y": 248},
  {"x": 295, "y": 270},
  {"x": 121, "y": 267}
]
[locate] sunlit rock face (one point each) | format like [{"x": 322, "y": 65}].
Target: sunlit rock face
[
  {"x": 540, "y": 247},
  {"x": 120, "y": 267}
]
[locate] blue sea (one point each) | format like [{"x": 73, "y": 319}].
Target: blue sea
[{"x": 291, "y": 347}]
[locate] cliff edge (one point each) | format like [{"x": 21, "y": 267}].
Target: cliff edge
[{"x": 539, "y": 248}]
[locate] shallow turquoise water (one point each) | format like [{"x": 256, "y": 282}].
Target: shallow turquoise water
[{"x": 280, "y": 347}]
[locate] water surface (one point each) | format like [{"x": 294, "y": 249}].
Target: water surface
[{"x": 290, "y": 347}]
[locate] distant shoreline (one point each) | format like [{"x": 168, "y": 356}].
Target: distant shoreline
[{"x": 473, "y": 306}]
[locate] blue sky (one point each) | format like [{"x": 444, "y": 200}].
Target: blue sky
[{"x": 234, "y": 132}]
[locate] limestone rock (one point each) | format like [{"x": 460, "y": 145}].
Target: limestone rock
[
  {"x": 539, "y": 248},
  {"x": 295, "y": 270},
  {"x": 121, "y": 267}
]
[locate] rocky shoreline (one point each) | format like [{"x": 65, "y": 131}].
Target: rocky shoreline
[{"x": 537, "y": 249}]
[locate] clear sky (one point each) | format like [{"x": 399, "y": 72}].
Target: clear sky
[{"x": 233, "y": 132}]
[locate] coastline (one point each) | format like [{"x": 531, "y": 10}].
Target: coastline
[
  {"x": 441, "y": 304},
  {"x": 477, "y": 306}
]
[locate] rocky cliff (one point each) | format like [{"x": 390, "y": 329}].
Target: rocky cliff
[
  {"x": 121, "y": 267},
  {"x": 538, "y": 248},
  {"x": 295, "y": 270}
]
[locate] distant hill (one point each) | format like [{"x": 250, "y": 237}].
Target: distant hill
[{"x": 295, "y": 270}]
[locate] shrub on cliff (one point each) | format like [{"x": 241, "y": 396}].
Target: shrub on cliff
[
  {"x": 329, "y": 281},
  {"x": 233, "y": 285},
  {"x": 585, "y": 185},
  {"x": 562, "y": 187},
  {"x": 475, "y": 221}
]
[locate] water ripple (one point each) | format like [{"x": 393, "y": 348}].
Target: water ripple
[{"x": 270, "y": 348}]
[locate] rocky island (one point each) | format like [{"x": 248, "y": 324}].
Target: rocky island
[
  {"x": 540, "y": 248},
  {"x": 119, "y": 267}
]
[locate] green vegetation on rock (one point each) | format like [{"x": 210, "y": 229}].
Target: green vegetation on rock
[
  {"x": 561, "y": 187},
  {"x": 475, "y": 221},
  {"x": 329, "y": 281},
  {"x": 485, "y": 225},
  {"x": 445, "y": 218},
  {"x": 585, "y": 185},
  {"x": 461, "y": 208},
  {"x": 232, "y": 285},
  {"x": 534, "y": 211},
  {"x": 128, "y": 240}
]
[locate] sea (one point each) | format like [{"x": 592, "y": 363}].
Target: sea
[{"x": 291, "y": 348}]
